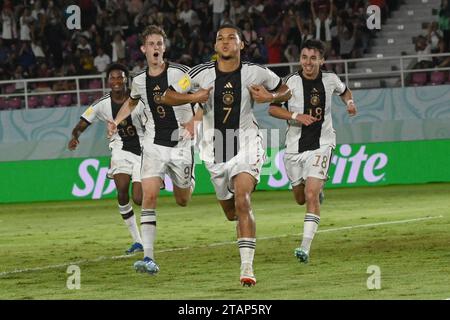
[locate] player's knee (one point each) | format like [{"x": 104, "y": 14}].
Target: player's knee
[
  {"x": 300, "y": 200},
  {"x": 150, "y": 200},
  {"x": 231, "y": 215},
  {"x": 137, "y": 200},
  {"x": 311, "y": 196},
  {"x": 182, "y": 201},
  {"x": 242, "y": 203}
]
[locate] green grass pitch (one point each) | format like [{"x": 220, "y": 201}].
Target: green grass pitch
[{"x": 403, "y": 230}]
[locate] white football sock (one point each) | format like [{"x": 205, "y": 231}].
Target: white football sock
[
  {"x": 247, "y": 249},
  {"x": 309, "y": 230},
  {"x": 148, "y": 230},
  {"x": 129, "y": 218}
]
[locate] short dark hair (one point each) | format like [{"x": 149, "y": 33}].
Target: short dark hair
[
  {"x": 232, "y": 26},
  {"x": 314, "y": 44},
  {"x": 117, "y": 66},
  {"x": 152, "y": 29}
]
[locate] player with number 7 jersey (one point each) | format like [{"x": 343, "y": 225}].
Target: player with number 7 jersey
[{"x": 231, "y": 144}]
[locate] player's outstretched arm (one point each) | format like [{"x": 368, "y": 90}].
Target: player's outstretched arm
[
  {"x": 261, "y": 95},
  {"x": 280, "y": 113},
  {"x": 347, "y": 98},
  {"x": 123, "y": 113},
  {"x": 76, "y": 132},
  {"x": 173, "y": 98},
  {"x": 191, "y": 125},
  {"x": 282, "y": 94}
]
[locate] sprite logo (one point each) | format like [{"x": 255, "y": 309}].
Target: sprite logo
[
  {"x": 95, "y": 187},
  {"x": 95, "y": 183},
  {"x": 371, "y": 166},
  {"x": 347, "y": 167}
]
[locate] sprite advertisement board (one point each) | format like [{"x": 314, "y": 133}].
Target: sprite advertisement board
[{"x": 369, "y": 164}]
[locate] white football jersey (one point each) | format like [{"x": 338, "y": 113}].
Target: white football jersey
[
  {"x": 163, "y": 125},
  {"x": 312, "y": 97},
  {"x": 130, "y": 131},
  {"x": 229, "y": 126}
]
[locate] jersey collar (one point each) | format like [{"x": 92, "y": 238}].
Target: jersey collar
[
  {"x": 216, "y": 66},
  {"x": 319, "y": 76}
]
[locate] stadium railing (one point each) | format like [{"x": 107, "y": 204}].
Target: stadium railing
[
  {"x": 25, "y": 88},
  {"x": 400, "y": 69}
]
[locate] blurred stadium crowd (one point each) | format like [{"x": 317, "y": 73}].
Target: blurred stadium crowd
[{"x": 35, "y": 41}]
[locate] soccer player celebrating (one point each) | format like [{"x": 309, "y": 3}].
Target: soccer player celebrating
[
  {"x": 231, "y": 144},
  {"x": 125, "y": 146},
  {"x": 165, "y": 150},
  {"x": 310, "y": 137}
]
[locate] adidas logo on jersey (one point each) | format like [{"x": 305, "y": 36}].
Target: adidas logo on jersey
[
  {"x": 156, "y": 88},
  {"x": 229, "y": 85}
]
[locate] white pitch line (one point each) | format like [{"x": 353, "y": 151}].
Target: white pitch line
[{"x": 101, "y": 258}]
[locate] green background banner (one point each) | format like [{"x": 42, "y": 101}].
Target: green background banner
[{"x": 366, "y": 164}]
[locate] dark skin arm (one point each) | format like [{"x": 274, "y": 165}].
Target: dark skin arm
[
  {"x": 76, "y": 132},
  {"x": 123, "y": 113}
]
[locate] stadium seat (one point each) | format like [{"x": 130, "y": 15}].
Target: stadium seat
[
  {"x": 419, "y": 78},
  {"x": 64, "y": 100},
  {"x": 135, "y": 55},
  {"x": 14, "y": 103},
  {"x": 132, "y": 41},
  {"x": 3, "y": 103},
  {"x": 84, "y": 99},
  {"x": 48, "y": 101},
  {"x": 33, "y": 102},
  {"x": 95, "y": 84},
  {"x": 10, "y": 89},
  {"x": 437, "y": 77}
]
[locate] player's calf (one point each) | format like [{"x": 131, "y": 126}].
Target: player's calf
[
  {"x": 182, "y": 195},
  {"x": 299, "y": 193},
  {"x": 182, "y": 202},
  {"x": 182, "y": 199},
  {"x": 137, "y": 200},
  {"x": 229, "y": 209},
  {"x": 300, "y": 200}
]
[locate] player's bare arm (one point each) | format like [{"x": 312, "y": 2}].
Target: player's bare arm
[
  {"x": 173, "y": 98},
  {"x": 123, "y": 113},
  {"x": 261, "y": 95},
  {"x": 281, "y": 113},
  {"x": 76, "y": 132},
  {"x": 191, "y": 125},
  {"x": 347, "y": 98}
]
